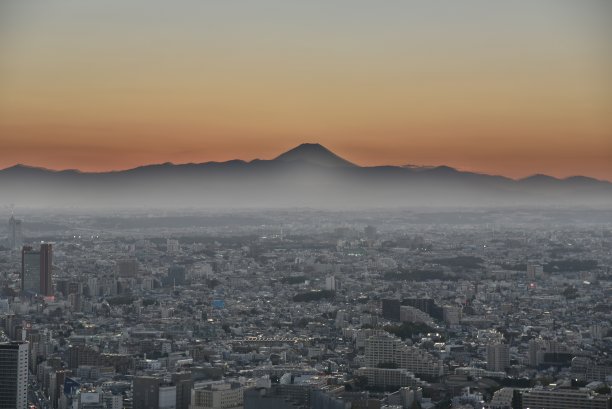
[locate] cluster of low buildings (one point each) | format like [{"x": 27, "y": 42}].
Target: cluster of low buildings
[{"x": 305, "y": 313}]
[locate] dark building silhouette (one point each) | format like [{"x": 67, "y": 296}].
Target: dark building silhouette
[
  {"x": 391, "y": 308},
  {"x": 292, "y": 397},
  {"x": 370, "y": 232},
  {"x": 183, "y": 383},
  {"x": 127, "y": 267},
  {"x": 60, "y": 378},
  {"x": 426, "y": 305},
  {"x": 176, "y": 276},
  {"x": 146, "y": 392},
  {"x": 36, "y": 270},
  {"x": 14, "y": 375},
  {"x": 30, "y": 270},
  {"x": 46, "y": 263},
  {"x": 82, "y": 355},
  {"x": 278, "y": 397}
]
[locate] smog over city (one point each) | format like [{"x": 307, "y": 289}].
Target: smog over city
[{"x": 305, "y": 205}]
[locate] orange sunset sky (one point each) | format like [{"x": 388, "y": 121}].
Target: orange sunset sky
[{"x": 513, "y": 88}]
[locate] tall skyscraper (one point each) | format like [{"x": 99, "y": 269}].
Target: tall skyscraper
[
  {"x": 498, "y": 357},
  {"x": 30, "y": 270},
  {"x": 183, "y": 383},
  {"x": 15, "y": 235},
  {"x": 330, "y": 283},
  {"x": 146, "y": 392},
  {"x": 36, "y": 269},
  {"x": 370, "y": 232},
  {"x": 13, "y": 375},
  {"x": 46, "y": 265}
]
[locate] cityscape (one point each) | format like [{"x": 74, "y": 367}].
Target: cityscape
[
  {"x": 318, "y": 204},
  {"x": 307, "y": 309}
]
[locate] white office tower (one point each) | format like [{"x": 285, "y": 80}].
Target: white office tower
[
  {"x": 14, "y": 375},
  {"x": 167, "y": 397},
  {"x": 92, "y": 284},
  {"x": 386, "y": 349},
  {"x": 330, "y": 283},
  {"x": 15, "y": 235},
  {"x": 172, "y": 246},
  {"x": 5, "y": 307}
]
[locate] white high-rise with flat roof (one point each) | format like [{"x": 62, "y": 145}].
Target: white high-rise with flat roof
[
  {"x": 15, "y": 234},
  {"x": 386, "y": 349}
]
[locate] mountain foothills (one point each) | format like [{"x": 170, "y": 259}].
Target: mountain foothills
[{"x": 307, "y": 176}]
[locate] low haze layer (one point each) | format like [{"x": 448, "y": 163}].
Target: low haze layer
[{"x": 309, "y": 175}]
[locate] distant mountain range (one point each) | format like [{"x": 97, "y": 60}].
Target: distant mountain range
[{"x": 307, "y": 176}]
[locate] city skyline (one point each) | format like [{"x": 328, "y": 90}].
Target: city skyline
[
  {"x": 305, "y": 204},
  {"x": 506, "y": 308},
  {"x": 514, "y": 89}
]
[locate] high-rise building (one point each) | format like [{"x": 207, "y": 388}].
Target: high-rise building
[
  {"x": 381, "y": 349},
  {"x": 540, "y": 348},
  {"x": 92, "y": 286},
  {"x": 389, "y": 377},
  {"x": 391, "y": 309},
  {"x": 172, "y": 246},
  {"x": 427, "y": 305},
  {"x": 15, "y": 235},
  {"x": 412, "y": 314},
  {"x": 452, "y": 314},
  {"x": 82, "y": 355},
  {"x": 564, "y": 399},
  {"x": 218, "y": 396},
  {"x": 167, "y": 397},
  {"x": 30, "y": 270},
  {"x": 183, "y": 383},
  {"x": 176, "y": 276},
  {"x": 146, "y": 392},
  {"x": 534, "y": 271},
  {"x": 330, "y": 283},
  {"x": 46, "y": 265},
  {"x": 36, "y": 269},
  {"x": 370, "y": 232},
  {"x": 585, "y": 369},
  {"x": 112, "y": 401},
  {"x": 127, "y": 267},
  {"x": 14, "y": 375},
  {"x": 279, "y": 397},
  {"x": 151, "y": 392},
  {"x": 498, "y": 357}
]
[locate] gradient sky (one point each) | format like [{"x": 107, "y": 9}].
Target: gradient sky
[{"x": 513, "y": 88}]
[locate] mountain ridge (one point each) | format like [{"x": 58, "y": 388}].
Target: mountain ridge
[
  {"x": 296, "y": 154},
  {"x": 308, "y": 175}
]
